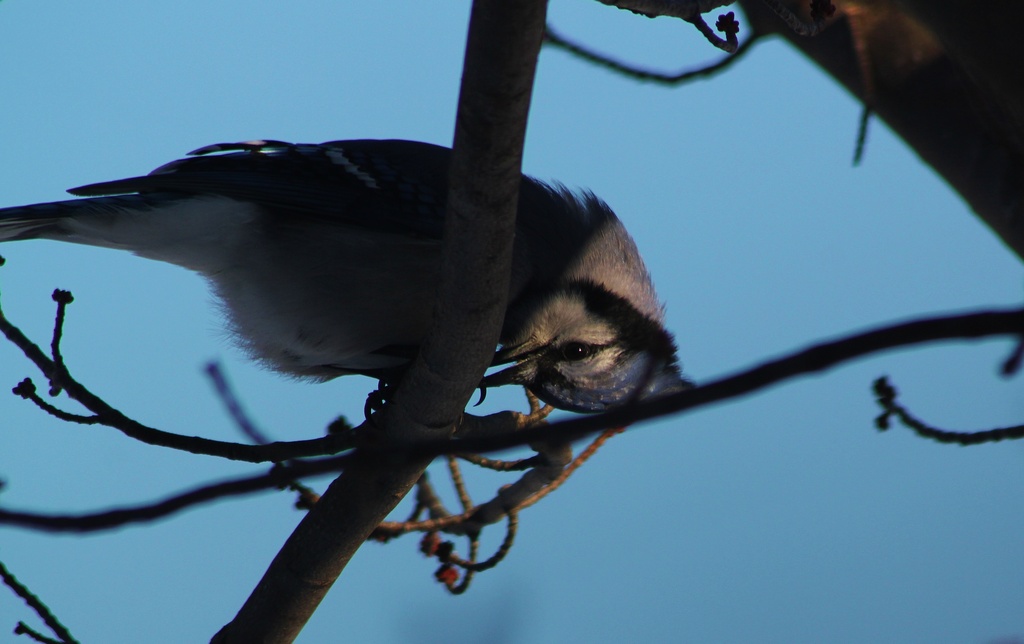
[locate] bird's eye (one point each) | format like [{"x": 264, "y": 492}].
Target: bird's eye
[{"x": 576, "y": 351}]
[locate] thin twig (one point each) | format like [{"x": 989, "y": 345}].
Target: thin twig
[
  {"x": 1013, "y": 361},
  {"x": 307, "y": 496},
  {"x": 580, "y": 459},
  {"x": 886, "y": 395},
  {"x": 37, "y": 605},
  {"x": 499, "y": 555},
  {"x": 24, "y": 629},
  {"x": 498, "y": 465},
  {"x": 439, "y": 524},
  {"x": 862, "y": 134},
  {"x": 91, "y": 522},
  {"x": 63, "y": 299},
  {"x": 467, "y": 577},
  {"x": 459, "y": 483},
  {"x": 27, "y": 389},
  {"x": 728, "y": 44},
  {"x": 233, "y": 405},
  {"x": 555, "y": 39},
  {"x": 429, "y": 500}
]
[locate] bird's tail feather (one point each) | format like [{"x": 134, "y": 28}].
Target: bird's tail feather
[{"x": 43, "y": 221}]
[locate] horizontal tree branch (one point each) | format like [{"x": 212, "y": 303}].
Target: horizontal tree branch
[
  {"x": 117, "y": 517},
  {"x": 813, "y": 359},
  {"x": 819, "y": 357}
]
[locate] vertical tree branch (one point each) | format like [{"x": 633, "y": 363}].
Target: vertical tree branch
[{"x": 501, "y": 55}]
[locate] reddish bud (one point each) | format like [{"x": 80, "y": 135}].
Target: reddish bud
[{"x": 447, "y": 575}]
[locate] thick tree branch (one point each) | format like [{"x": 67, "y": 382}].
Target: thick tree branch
[
  {"x": 501, "y": 55},
  {"x": 945, "y": 76}
]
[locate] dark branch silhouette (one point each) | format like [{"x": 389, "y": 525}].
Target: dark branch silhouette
[
  {"x": 554, "y": 39},
  {"x": 813, "y": 359},
  {"x": 40, "y": 608},
  {"x": 57, "y": 373},
  {"x": 307, "y": 498},
  {"x": 816, "y": 358},
  {"x": 886, "y": 395},
  {"x": 233, "y": 405},
  {"x": 278, "y": 477}
]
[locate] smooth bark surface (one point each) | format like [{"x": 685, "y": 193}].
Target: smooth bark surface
[{"x": 501, "y": 55}]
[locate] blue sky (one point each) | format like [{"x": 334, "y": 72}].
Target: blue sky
[{"x": 783, "y": 517}]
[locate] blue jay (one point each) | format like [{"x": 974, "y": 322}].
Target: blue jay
[{"x": 326, "y": 256}]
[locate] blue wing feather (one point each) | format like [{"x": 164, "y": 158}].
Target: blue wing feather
[{"x": 386, "y": 186}]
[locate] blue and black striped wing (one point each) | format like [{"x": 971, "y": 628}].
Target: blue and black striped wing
[{"x": 386, "y": 186}]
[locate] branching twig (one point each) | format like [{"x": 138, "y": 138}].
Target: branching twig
[
  {"x": 24, "y": 629},
  {"x": 108, "y": 416},
  {"x": 886, "y": 394},
  {"x": 559, "y": 41},
  {"x": 432, "y": 546},
  {"x": 26, "y": 389},
  {"x": 510, "y": 535},
  {"x": 41, "y": 609}
]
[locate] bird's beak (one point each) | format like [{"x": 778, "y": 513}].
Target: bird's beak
[{"x": 522, "y": 373}]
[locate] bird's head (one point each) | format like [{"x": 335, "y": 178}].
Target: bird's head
[{"x": 586, "y": 349}]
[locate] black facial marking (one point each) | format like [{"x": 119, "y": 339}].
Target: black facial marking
[{"x": 636, "y": 331}]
